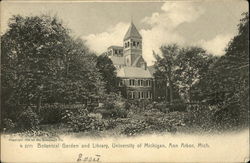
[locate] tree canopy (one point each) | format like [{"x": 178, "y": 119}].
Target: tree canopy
[
  {"x": 182, "y": 68},
  {"x": 41, "y": 61},
  {"x": 108, "y": 71}
]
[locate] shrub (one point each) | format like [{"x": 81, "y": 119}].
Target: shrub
[
  {"x": 110, "y": 124},
  {"x": 28, "y": 119},
  {"x": 153, "y": 121},
  {"x": 113, "y": 107},
  {"x": 177, "y": 107},
  {"x": 135, "y": 127},
  {"x": 162, "y": 106},
  {"x": 159, "y": 122},
  {"x": 8, "y": 124},
  {"x": 132, "y": 106},
  {"x": 81, "y": 120},
  {"x": 201, "y": 117},
  {"x": 56, "y": 113},
  {"x": 51, "y": 113},
  {"x": 138, "y": 105},
  {"x": 66, "y": 115},
  {"x": 113, "y": 113}
]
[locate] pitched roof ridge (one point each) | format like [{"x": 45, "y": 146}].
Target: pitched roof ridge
[
  {"x": 134, "y": 72},
  {"x": 117, "y": 46}
]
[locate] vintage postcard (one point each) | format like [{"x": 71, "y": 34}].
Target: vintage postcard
[{"x": 124, "y": 81}]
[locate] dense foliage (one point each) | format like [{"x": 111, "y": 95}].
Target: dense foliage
[
  {"x": 42, "y": 63},
  {"x": 108, "y": 71},
  {"x": 226, "y": 85},
  {"x": 218, "y": 85},
  {"x": 50, "y": 78}
]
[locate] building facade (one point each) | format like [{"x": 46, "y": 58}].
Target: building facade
[{"x": 137, "y": 81}]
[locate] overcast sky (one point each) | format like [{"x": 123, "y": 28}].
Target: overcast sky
[{"x": 209, "y": 24}]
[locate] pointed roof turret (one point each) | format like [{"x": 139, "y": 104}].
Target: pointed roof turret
[{"x": 132, "y": 32}]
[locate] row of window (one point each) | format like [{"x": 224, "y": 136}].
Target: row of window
[
  {"x": 139, "y": 95},
  {"x": 137, "y": 82},
  {"x": 115, "y": 52},
  {"x": 132, "y": 44}
]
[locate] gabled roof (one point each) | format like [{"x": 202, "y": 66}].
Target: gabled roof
[
  {"x": 132, "y": 32},
  {"x": 137, "y": 60},
  {"x": 134, "y": 72},
  {"x": 117, "y": 60}
]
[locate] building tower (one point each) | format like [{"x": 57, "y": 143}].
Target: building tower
[{"x": 132, "y": 45}]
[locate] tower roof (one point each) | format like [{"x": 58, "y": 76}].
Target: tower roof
[{"x": 132, "y": 32}]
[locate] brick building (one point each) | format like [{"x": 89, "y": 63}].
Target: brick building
[{"x": 137, "y": 79}]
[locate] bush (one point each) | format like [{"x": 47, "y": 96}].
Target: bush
[
  {"x": 81, "y": 120},
  {"x": 28, "y": 119},
  {"x": 162, "y": 106},
  {"x": 51, "y": 113},
  {"x": 56, "y": 113},
  {"x": 138, "y": 106},
  {"x": 178, "y": 107},
  {"x": 159, "y": 122},
  {"x": 135, "y": 127},
  {"x": 8, "y": 124},
  {"x": 132, "y": 106},
  {"x": 113, "y": 107},
  {"x": 201, "y": 117},
  {"x": 110, "y": 124},
  {"x": 113, "y": 113},
  {"x": 231, "y": 116},
  {"x": 153, "y": 121}
]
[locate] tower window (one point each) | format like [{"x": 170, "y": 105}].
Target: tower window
[{"x": 133, "y": 43}]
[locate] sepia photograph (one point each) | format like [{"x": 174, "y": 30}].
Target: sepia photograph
[{"x": 125, "y": 81}]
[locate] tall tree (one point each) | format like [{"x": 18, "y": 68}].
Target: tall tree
[
  {"x": 108, "y": 71},
  {"x": 192, "y": 65},
  {"x": 41, "y": 61},
  {"x": 80, "y": 79},
  {"x": 31, "y": 49},
  {"x": 227, "y": 83},
  {"x": 165, "y": 66}
]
